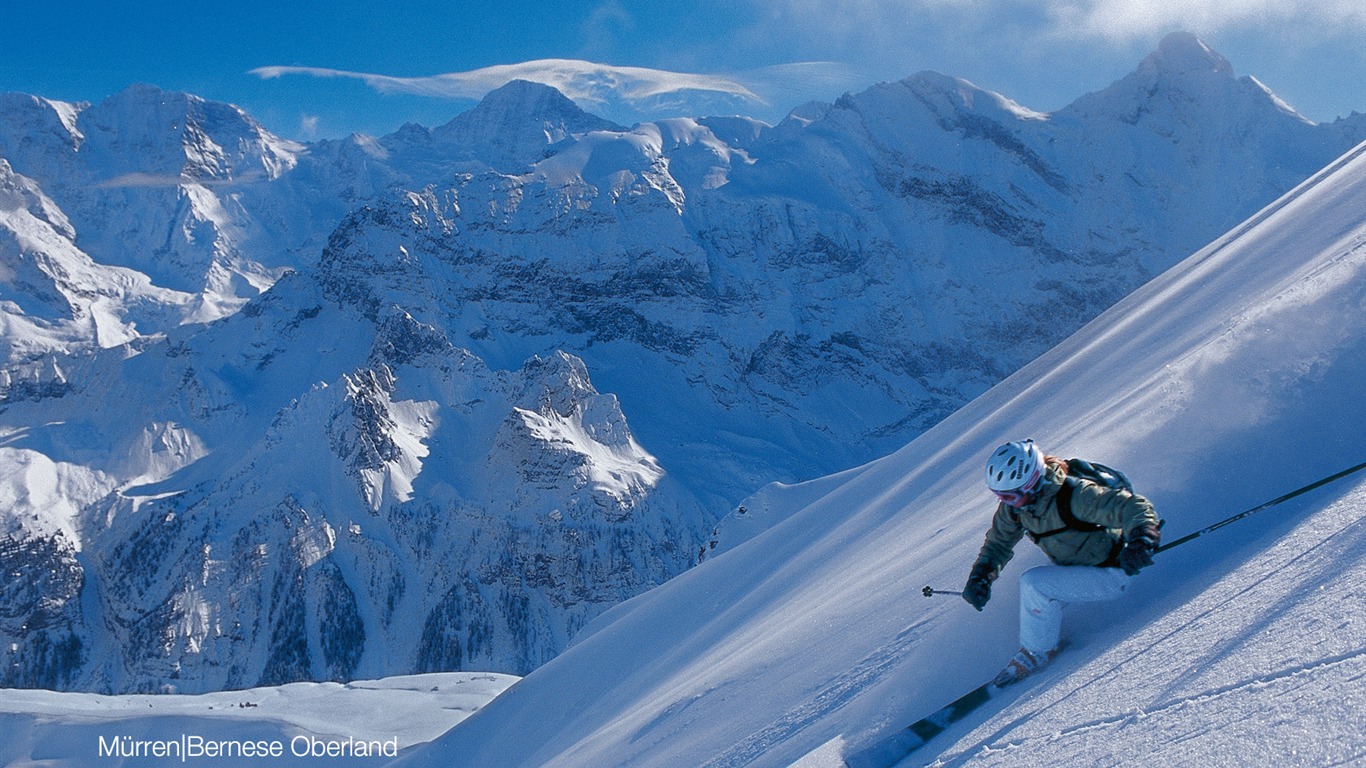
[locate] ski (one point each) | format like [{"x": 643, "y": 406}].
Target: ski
[{"x": 896, "y": 747}]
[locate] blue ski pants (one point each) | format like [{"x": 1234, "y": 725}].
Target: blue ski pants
[{"x": 1046, "y": 589}]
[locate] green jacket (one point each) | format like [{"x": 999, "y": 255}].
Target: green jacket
[{"x": 1118, "y": 510}]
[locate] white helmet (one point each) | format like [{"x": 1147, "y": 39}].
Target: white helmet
[{"x": 1014, "y": 465}]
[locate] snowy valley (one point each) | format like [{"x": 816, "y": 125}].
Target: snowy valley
[{"x": 345, "y": 411}]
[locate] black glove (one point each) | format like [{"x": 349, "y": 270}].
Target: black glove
[
  {"x": 1138, "y": 550},
  {"x": 978, "y": 589}
]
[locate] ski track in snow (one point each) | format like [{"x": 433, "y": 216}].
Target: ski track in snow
[
  {"x": 1349, "y": 668},
  {"x": 1273, "y": 611},
  {"x": 829, "y": 699}
]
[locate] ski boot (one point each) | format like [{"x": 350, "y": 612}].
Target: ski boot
[{"x": 1022, "y": 665}]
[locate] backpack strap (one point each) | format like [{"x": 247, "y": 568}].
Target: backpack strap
[{"x": 1069, "y": 520}]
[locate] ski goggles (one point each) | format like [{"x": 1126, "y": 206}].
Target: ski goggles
[{"x": 1022, "y": 495}]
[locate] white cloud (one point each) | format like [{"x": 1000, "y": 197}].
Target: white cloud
[
  {"x": 151, "y": 181},
  {"x": 1127, "y": 19},
  {"x": 626, "y": 94},
  {"x": 886, "y": 23},
  {"x": 585, "y": 82}
]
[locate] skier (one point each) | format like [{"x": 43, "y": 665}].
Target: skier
[{"x": 1098, "y": 536}]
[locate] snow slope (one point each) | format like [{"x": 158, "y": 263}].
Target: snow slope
[
  {"x": 64, "y": 729},
  {"x": 1228, "y": 380}
]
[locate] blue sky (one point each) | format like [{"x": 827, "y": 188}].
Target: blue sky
[{"x": 381, "y": 57}]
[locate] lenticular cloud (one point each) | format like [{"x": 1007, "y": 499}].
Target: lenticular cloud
[{"x": 583, "y": 81}]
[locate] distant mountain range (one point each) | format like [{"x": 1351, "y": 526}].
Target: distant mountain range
[{"x": 279, "y": 412}]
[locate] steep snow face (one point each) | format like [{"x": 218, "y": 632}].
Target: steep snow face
[
  {"x": 210, "y": 140},
  {"x": 1136, "y": 120},
  {"x": 1227, "y": 381},
  {"x": 156, "y": 182},
  {"x": 55, "y": 297}
]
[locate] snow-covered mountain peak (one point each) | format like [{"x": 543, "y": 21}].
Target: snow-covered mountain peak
[
  {"x": 567, "y": 423},
  {"x": 18, "y": 193},
  {"x": 515, "y": 123},
  {"x": 142, "y": 136},
  {"x": 526, "y": 99},
  {"x": 559, "y": 381},
  {"x": 1186, "y": 83},
  {"x": 1182, "y": 53},
  {"x": 807, "y": 113},
  {"x": 186, "y": 136},
  {"x": 34, "y": 119},
  {"x": 966, "y": 96},
  {"x": 165, "y": 184}
]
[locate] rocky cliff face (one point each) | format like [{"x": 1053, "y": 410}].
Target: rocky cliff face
[
  {"x": 276, "y": 412},
  {"x": 411, "y": 509},
  {"x": 838, "y": 283}
]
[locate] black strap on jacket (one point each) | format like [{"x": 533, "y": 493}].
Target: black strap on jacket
[{"x": 1069, "y": 520}]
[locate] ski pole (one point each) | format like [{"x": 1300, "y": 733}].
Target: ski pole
[
  {"x": 1258, "y": 508},
  {"x": 931, "y": 592}
]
